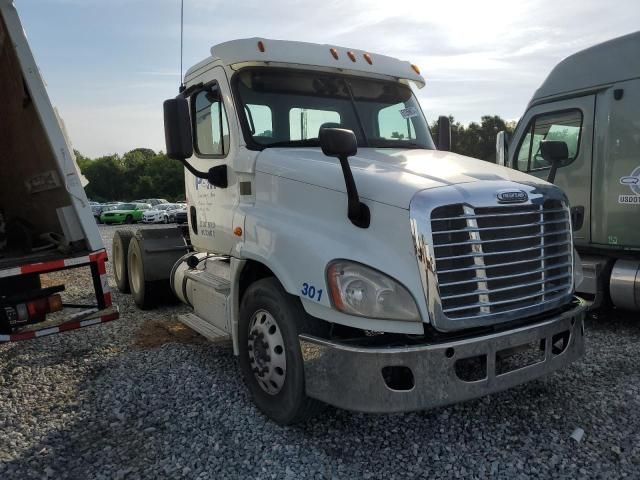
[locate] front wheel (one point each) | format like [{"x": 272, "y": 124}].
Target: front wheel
[
  {"x": 128, "y": 220},
  {"x": 270, "y": 357}
]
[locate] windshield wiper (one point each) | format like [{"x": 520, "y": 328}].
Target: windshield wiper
[{"x": 356, "y": 112}]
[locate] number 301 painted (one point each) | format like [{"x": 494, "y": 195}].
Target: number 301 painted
[{"x": 311, "y": 292}]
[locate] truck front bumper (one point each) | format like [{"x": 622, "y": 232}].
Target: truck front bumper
[{"x": 352, "y": 377}]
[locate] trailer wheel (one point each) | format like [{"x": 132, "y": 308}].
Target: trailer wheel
[
  {"x": 120, "y": 253},
  {"x": 144, "y": 292},
  {"x": 270, "y": 357}
]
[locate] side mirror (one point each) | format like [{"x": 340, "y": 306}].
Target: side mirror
[
  {"x": 444, "y": 133},
  {"x": 554, "y": 152},
  {"x": 177, "y": 136},
  {"x": 337, "y": 142},
  {"x": 501, "y": 148},
  {"x": 342, "y": 143},
  {"x": 177, "y": 128}
]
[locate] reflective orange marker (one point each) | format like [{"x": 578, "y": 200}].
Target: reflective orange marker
[
  {"x": 367, "y": 57},
  {"x": 351, "y": 55},
  {"x": 415, "y": 68},
  {"x": 334, "y": 52},
  {"x": 261, "y": 46},
  {"x": 237, "y": 231}
]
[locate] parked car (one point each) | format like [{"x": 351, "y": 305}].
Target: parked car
[
  {"x": 152, "y": 201},
  {"x": 99, "y": 209},
  {"x": 180, "y": 215},
  {"x": 125, "y": 213},
  {"x": 96, "y": 209},
  {"x": 161, "y": 213}
]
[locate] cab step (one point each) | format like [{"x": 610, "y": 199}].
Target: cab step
[{"x": 204, "y": 328}]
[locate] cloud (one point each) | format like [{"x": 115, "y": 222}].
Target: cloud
[{"x": 122, "y": 57}]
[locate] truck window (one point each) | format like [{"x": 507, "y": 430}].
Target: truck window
[
  {"x": 211, "y": 126},
  {"x": 305, "y": 123},
  {"x": 564, "y": 126},
  {"x": 260, "y": 120},
  {"x": 382, "y": 114},
  {"x": 394, "y": 122}
]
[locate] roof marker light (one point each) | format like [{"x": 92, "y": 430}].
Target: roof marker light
[
  {"x": 367, "y": 57},
  {"x": 334, "y": 53},
  {"x": 261, "y": 46},
  {"x": 351, "y": 56},
  {"x": 415, "y": 68}
]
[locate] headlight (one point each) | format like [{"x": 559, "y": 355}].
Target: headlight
[{"x": 363, "y": 291}]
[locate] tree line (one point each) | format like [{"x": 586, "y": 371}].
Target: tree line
[
  {"x": 144, "y": 173},
  {"x": 140, "y": 173},
  {"x": 477, "y": 140}
]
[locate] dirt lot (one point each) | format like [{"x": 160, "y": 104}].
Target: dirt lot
[{"x": 145, "y": 397}]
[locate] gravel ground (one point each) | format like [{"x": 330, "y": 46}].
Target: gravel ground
[{"x": 144, "y": 397}]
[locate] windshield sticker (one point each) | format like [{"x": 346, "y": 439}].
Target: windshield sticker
[
  {"x": 633, "y": 182},
  {"x": 409, "y": 112}
]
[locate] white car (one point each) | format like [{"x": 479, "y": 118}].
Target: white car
[{"x": 159, "y": 214}]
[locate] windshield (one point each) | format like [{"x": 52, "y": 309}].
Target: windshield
[
  {"x": 126, "y": 206},
  {"x": 287, "y": 108}
]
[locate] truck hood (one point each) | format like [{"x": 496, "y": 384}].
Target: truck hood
[{"x": 390, "y": 176}]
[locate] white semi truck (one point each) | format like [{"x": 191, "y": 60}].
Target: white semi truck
[
  {"x": 46, "y": 224},
  {"x": 350, "y": 261}
]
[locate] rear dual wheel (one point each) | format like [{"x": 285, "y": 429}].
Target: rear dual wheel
[
  {"x": 119, "y": 253},
  {"x": 145, "y": 293}
]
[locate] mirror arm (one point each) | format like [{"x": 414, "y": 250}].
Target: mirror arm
[
  {"x": 358, "y": 212},
  {"x": 193, "y": 171},
  {"x": 216, "y": 176},
  {"x": 552, "y": 172}
]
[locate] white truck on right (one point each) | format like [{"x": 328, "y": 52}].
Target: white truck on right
[{"x": 588, "y": 110}]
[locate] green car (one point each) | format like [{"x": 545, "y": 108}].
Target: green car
[{"x": 125, "y": 213}]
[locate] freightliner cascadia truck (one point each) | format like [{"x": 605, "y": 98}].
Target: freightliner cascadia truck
[
  {"x": 590, "y": 103},
  {"x": 349, "y": 260},
  {"x": 46, "y": 224}
]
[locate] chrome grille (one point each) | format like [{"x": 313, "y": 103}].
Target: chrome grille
[{"x": 500, "y": 259}]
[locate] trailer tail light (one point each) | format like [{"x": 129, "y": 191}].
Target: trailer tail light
[
  {"x": 261, "y": 46},
  {"x": 55, "y": 303},
  {"x": 334, "y": 53},
  {"x": 367, "y": 57},
  {"x": 415, "y": 68},
  {"x": 42, "y": 306},
  {"x": 351, "y": 55}
]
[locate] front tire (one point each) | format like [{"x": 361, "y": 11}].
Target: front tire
[
  {"x": 128, "y": 220},
  {"x": 270, "y": 357}
]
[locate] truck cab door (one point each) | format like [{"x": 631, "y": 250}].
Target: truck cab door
[
  {"x": 570, "y": 121},
  {"x": 211, "y": 208}
]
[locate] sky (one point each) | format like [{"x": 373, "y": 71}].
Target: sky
[{"x": 109, "y": 64}]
